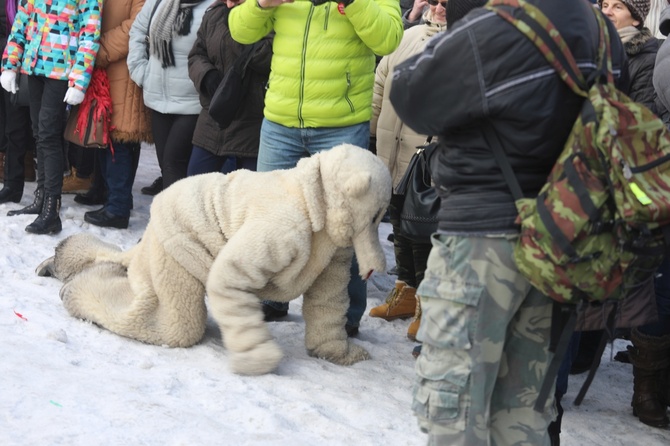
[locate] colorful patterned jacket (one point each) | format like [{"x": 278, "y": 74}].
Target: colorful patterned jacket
[{"x": 58, "y": 40}]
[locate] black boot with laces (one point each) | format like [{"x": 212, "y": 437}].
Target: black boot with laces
[{"x": 48, "y": 222}]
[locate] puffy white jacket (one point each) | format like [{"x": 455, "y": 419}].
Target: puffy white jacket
[{"x": 166, "y": 90}]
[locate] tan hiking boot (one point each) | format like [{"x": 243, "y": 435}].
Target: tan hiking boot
[
  {"x": 72, "y": 184},
  {"x": 400, "y": 304},
  {"x": 413, "y": 328}
]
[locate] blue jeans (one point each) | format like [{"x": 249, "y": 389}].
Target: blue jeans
[
  {"x": 204, "y": 161},
  {"x": 281, "y": 148},
  {"x": 662, "y": 288},
  {"x": 119, "y": 174}
]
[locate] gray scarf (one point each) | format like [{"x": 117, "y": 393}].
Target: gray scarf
[{"x": 172, "y": 18}]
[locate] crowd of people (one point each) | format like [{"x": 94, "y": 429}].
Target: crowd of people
[{"x": 383, "y": 74}]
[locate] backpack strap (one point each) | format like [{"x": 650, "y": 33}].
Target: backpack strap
[
  {"x": 532, "y": 22},
  {"x": 607, "y": 335}
]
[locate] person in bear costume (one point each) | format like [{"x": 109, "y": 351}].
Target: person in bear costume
[{"x": 238, "y": 238}]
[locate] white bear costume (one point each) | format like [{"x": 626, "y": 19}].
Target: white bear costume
[{"x": 240, "y": 238}]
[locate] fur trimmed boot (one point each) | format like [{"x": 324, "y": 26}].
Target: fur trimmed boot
[
  {"x": 48, "y": 222},
  {"x": 34, "y": 208},
  {"x": 649, "y": 356},
  {"x": 400, "y": 304},
  {"x": 413, "y": 328}
]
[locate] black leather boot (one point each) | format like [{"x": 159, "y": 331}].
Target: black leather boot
[
  {"x": 8, "y": 194},
  {"x": 34, "y": 208},
  {"x": 649, "y": 356},
  {"x": 48, "y": 222}
]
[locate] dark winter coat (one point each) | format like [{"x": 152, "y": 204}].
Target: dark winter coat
[
  {"x": 641, "y": 51},
  {"x": 482, "y": 73},
  {"x": 213, "y": 54},
  {"x": 3, "y": 25}
]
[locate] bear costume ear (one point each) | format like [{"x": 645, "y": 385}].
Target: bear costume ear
[{"x": 358, "y": 184}]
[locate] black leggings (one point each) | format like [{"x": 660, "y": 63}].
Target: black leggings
[{"x": 173, "y": 135}]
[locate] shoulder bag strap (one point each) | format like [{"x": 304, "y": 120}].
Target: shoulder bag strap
[
  {"x": 151, "y": 17},
  {"x": 244, "y": 58}
]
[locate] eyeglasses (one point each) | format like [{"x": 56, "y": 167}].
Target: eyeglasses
[{"x": 436, "y": 2}]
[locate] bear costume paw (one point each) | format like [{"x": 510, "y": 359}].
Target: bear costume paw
[
  {"x": 340, "y": 352},
  {"x": 262, "y": 359}
]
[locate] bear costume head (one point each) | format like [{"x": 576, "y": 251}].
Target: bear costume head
[{"x": 356, "y": 189}]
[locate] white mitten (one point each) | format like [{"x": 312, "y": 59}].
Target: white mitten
[
  {"x": 8, "y": 81},
  {"x": 73, "y": 96}
]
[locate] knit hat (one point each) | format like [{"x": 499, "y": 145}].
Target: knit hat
[
  {"x": 457, "y": 9},
  {"x": 638, "y": 8}
]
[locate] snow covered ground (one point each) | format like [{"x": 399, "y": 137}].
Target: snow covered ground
[{"x": 68, "y": 382}]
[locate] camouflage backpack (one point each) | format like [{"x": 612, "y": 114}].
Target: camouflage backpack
[{"x": 596, "y": 229}]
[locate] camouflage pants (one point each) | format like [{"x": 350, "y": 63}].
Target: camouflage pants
[{"x": 485, "y": 333}]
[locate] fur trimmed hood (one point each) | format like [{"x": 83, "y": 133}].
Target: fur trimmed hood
[{"x": 636, "y": 45}]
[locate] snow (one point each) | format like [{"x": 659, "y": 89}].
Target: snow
[{"x": 64, "y": 381}]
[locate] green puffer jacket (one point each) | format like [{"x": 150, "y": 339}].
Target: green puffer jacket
[{"x": 323, "y": 66}]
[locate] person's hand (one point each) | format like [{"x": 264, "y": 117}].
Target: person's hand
[
  {"x": 417, "y": 10},
  {"x": 73, "y": 96},
  {"x": 272, "y": 3},
  {"x": 8, "y": 81}
]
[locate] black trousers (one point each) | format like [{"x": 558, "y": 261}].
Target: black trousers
[
  {"x": 19, "y": 139},
  {"x": 411, "y": 256},
  {"x": 47, "y": 111},
  {"x": 173, "y": 135}
]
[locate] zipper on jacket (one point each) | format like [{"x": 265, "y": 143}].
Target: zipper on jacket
[
  {"x": 303, "y": 56},
  {"x": 325, "y": 22},
  {"x": 346, "y": 94}
]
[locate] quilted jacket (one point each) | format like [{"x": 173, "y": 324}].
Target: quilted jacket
[
  {"x": 57, "y": 40},
  {"x": 323, "y": 66}
]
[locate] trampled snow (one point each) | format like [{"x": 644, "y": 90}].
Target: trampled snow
[{"x": 68, "y": 382}]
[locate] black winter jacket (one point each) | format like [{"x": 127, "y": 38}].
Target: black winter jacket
[
  {"x": 485, "y": 72},
  {"x": 213, "y": 54},
  {"x": 641, "y": 51}
]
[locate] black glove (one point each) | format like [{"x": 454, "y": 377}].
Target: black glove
[
  {"x": 211, "y": 82},
  {"x": 321, "y": 2}
]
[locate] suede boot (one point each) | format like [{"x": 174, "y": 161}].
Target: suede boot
[
  {"x": 48, "y": 222},
  {"x": 649, "y": 356},
  {"x": 413, "y": 328},
  {"x": 34, "y": 208},
  {"x": 400, "y": 304}
]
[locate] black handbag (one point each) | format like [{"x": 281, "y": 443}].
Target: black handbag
[
  {"x": 230, "y": 93},
  {"x": 22, "y": 97},
  {"x": 418, "y": 217}
]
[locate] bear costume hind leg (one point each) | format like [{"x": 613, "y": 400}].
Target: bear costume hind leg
[{"x": 98, "y": 289}]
